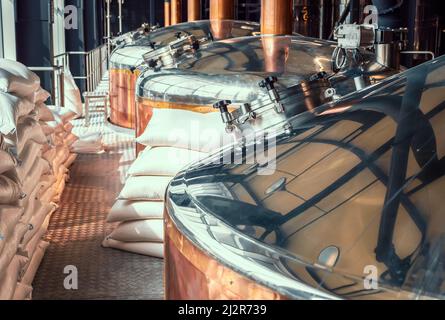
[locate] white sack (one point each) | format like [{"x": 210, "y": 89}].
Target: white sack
[
  {"x": 88, "y": 144},
  {"x": 144, "y": 248},
  {"x": 29, "y": 130},
  {"x": 45, "y": 113},
  {"x": 9, "y": 280},
  {"x": 186, "y": 130},
  {"x": 31, "y": 269},
  {"x": 47, "y": 130},
  {"x": 145, "y": 188},
  {"x": 139, "y": 231},
  {"x": 30, "y": 249},
  {"x": 164, "y": 161},
  {"x": 73, "y": 99},
  {"x": 11, "y": 109},
  {"x": 7, "y": 161},
  {"x": 40, "y": 96},
  {"x": 37, "y": 221},
  {"x": 10, "y": 191},
  {"x": 69, "y": 162},
  {"x": 27, "y": 158},
  {"x": 40, "y": 168},
  {"x": 19, "y": 69},
  {"x": 124, "y": 210},
  {"x": 22, "y": 292},
  {"x": 17, "y": 85},
  {"x": 9, "y": 217},
  {"x": 64, "y": 114},
  {"x": 33, "y": 205},
  {"x": 11, "y": 247}
]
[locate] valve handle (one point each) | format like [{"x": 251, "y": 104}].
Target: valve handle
[
  {"x": 222, "y": 105},
  {"x": 269, "y": 82}
]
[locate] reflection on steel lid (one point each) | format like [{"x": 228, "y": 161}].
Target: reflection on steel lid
[
  {"x": 326, "y": 207},
  {"x": 129, "y": 54}
]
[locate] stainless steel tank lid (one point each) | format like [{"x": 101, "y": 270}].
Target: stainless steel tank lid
[
  {"x": 125, "y": 56},
  {"x": 332, "y": 159},
  {"x": 231, "y": 69}
]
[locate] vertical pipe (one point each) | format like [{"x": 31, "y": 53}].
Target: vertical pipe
[
  {"x": 108, "y": 32},
  {"x": 276, "y": 16},
  {"x": 222, "y": 9},
  {"x": 120, "y": 16},
  {"x": 176, "y": 12},
  {"x": 167, "y": 13},
  {"x": 193, "y": 10}
]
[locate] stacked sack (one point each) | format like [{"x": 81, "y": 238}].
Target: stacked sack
[
  {"x": 28, "y": 180},
  {"x": 174, "y": 139}
]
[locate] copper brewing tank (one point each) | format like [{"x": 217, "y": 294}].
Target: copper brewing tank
[
  {"x": 276, "y": 16},
  {"x": 193, "y": 10},
  {"x": 325, "y": 213},
  {"x": 127, "y": 61},
  {"x": 232, "y": 70}
]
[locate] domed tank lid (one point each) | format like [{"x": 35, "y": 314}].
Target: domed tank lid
[
  {"x": 357, "y": 183},
  {"x": 129, "y": 54},
  {"x": 231, "y": 69}
]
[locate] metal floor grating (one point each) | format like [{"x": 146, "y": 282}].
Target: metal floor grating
[{"x": 78, "y": 228}]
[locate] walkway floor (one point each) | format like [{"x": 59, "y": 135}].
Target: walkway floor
[{"x": 78, "y": 228}]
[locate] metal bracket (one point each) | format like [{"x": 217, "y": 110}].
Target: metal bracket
[
  {"x": 269, "y": 85},
  {"x": 239, "y": 116}
]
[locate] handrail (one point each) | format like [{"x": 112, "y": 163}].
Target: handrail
[
  {"x": 58, "y": 74},
  {"x": 95, "y": 62}
]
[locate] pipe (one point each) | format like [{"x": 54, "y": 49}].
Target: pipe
[
  {"x": 176, "y": 16},
  {"x": 108, "y": 31},
  {"x": 167, "y": 13},
  {"x": 222, "y": 9},
  {"x": 120, "y": 2},
  {"x": 276, "y": 16},
  {"x": 193, "y": 10}
]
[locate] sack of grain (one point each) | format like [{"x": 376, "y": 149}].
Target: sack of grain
[
  {"x": 30, "y": 249},
  {"x": 37, "y": 221},
  {"x": 40, "y": 96},
  {"x": 151, "y": 249},
  {"x": 10, "y": 191},
  {"x": 22, "y": 292},
  {"x": 69, "y": 162},
  {"x": 7, "y": 161},
  {"x": 31, "y": 269},
  {"x": 40, "y": 168},
  {"x": 145, "y": 188},
  {"x": 185, "y": 130},
  {"x": 73, "y": 99},
  {"x": 27, "y": 158},
  {"x": 17, "y": 85},
  {"x": 19, "y": 69},
  {"x": 124, "y": 210},
  {"x": 44, "y": 112},
  {"x": 8, "y": 281},
  {"x": 164, "y": 161},
  {"x": 29, "y": 130},
  {"x": 11, "y": 246},
  {"x": 139, "y": 231},
  {"x": 12, "y": 108},
  {"x": 64, "y": 114},
  {"x": 9, "y": 218},
  {"x": 32, "y": 206}
]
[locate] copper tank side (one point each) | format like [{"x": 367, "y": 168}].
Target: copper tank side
[
  {"x": 192, "y": 274},
  {"x": 193, "y": 10},
  {"x": 276, "y": 17},
  {"x": 176, "y": 16},
  {"x": 167, "y": 13},
  {"x": 122, "y": 97}
]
